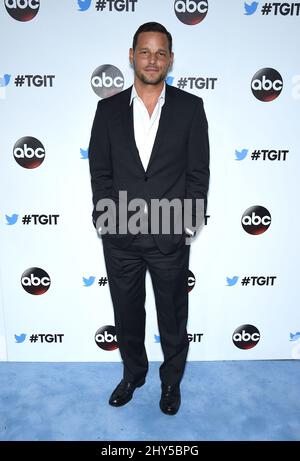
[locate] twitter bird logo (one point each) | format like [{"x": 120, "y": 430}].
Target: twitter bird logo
[
  {"x": 11, "y": 219},
  {"x": 250, "y": 9},
  {"x": 240, "y": 155},
  {"x": 4, "y": 81},
  {"x": 169, "y": 80},
  {"x": 295, "y": 336},
  {"x": 232, "y": 281},
  {"x": 20, "y": 338},
  {"x": 84, "y": 153},
  {"x": 156, "y": 339},
  {"x": 88, "y": 282},
  {"x": 84, "y": 4}
]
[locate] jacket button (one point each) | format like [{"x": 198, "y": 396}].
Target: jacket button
[{"x": 146, "y": 178}]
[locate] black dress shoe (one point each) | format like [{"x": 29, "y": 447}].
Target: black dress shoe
[
  {"x": 124, "y": 392},
  {"x": 170, "y": 399}
]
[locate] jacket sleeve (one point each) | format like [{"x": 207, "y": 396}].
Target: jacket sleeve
[
  {"x": 197, "y": 173},
  {"x": 100, "y": 160}
]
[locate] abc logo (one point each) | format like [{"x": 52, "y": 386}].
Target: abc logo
[
  {"x": 266, "y": 84},
  {"x": 191, "y": 12},
  {"x": 22, "y": 10},
  {"x": 35, "y": 281},
  {"x": 107, "y": 80},
  {"x": 246, "y": 337},
  {"x": 106, "y": 338},
  {"x": 191, "y": 281},
  {"x": 256, "y": 220},
  {"x": 29, "y": 152}
]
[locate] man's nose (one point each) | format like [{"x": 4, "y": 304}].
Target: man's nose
[{"x": 153, "y": 57}]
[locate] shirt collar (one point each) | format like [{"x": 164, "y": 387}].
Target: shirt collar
[{"x": 134, "y": 94}]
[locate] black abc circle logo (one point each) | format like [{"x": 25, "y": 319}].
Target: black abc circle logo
[
  {"x": 246, "y": 337},
  {"x": 29, "y": 152},
  {"x": 256, "y": 220},
  {"x": 106, "y": 338},
  {"x": 191, "y": 281},
  {"x": 191, "y": 12},
  {"x": 107, "y": 80},
  {"x": 22, "y": 10},
  {"x": 266, "y": 84},
  {"x": 35, "y": 281}
]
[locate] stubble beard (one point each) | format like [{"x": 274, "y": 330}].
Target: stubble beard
[{"x": 150, "y": 81}]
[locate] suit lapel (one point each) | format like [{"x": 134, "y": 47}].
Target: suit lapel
[{"x": 129, "y": 128}]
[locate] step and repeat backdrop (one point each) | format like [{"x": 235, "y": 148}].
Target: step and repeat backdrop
[{"x": 58, "y": 57}]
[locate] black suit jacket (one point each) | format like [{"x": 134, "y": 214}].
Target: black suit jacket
[{"x": 178, "y": 165}]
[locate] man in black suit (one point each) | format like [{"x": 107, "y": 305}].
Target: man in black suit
[{"x": 151, "y": 141}]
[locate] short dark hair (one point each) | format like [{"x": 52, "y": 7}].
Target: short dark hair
[{"x": 152, "y": 27}]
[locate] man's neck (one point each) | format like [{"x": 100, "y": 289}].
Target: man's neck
[{"x": 148, "y": 93}]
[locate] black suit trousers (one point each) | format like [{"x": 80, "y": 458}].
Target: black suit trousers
[{"x": 126, "y": 270}]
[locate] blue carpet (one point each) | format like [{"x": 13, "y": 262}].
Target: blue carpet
[{"x": 221, "y": 401}]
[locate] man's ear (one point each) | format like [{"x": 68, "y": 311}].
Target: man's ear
[
  {"x": 131, "y": 53},
  {"x": 171, "y": 60}
]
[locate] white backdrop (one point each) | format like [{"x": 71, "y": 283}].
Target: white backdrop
[{"x": 64, "y": 43}]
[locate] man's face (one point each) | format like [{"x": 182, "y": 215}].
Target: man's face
[{"x": 151, "y": 58}]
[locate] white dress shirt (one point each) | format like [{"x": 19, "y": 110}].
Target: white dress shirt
[{"x": 145, "y": 127}]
